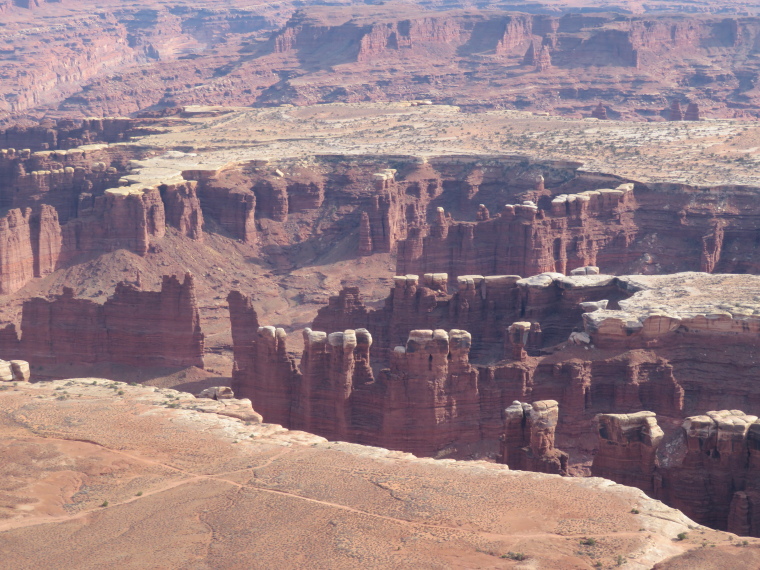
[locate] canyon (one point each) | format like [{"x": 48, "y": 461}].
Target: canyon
[
  {"x": 380, "y": 284},
  {"x": 433, "y": 369},
  {"x": 110, "y": 60}
]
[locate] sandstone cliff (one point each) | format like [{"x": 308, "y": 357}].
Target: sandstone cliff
[
  {"x": 706, "y": 468},
  {"x": 615, "y": 364},
  {"x": 133, "y": 327},
  {"x": 528, "y": 440}
]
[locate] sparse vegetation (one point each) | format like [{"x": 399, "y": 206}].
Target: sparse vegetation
[
  {"x": 682, "y": 536},
  {"x": 514, "y": 556},
  {"x": 104, "y": 504},
  {"x": 588, "y": 541}
]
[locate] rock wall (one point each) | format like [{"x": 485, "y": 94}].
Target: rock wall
[
  {"x": 67, "y": 203},
  {"x": 602, "y": 370},
  {"x": 485, "y": 305},
  {"x": 133, "y": 328},
  {"x": 707, "y": 468},
  {"x": 622, "y": 230},
  {"x": 558, "y": 224},
  {"x": 627, "y": 449},
  {"x": 67, "y": 134}
]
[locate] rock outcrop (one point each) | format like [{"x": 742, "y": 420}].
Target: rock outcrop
[
  {"x": 548, "y": 307},
  {"x": 707, "y": 468},
  {"x": 133, "y": 328},
  {"x": 642, "y": 356},
  {"x": 599, "y": 112},
  {"x": 528, "y": 440},
  {"x": 14, "y": 371},
  {"x": 627, "y": 450},
  {"x": 573, "y": 231},
  {"x": 675, "y": 113}
]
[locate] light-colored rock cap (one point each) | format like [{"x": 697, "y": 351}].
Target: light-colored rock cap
[
  {"x": 313, "y": 338},
  {"x": 724, "y": 424},
  {"x": 426, "y": 340},
  {"x": 591, "y": 306},
  {"x": 217, "y": 393},
  {"x": 517, "y": 411},
  {"x": 459, "y": 341},
  {"x": 406, "y": 280},
  {"x": 544, "y": 414},
  {"x": 14, "y": 371},
  {"x": 624, "y": 429},
  {"x": 696, "y": 302},
  {"x": 345, "y": 339},
  {"x": 469, "y": 282},
  {"x": 541, "y": 281},
  {"x": 519, "y": 331},
  {"x": 435, "y": 281},
  {"x": 587, "y": 270}
]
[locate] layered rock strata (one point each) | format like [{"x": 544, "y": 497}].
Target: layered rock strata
[
  {"x": 550, "y": 305},
  {"x": 64, "y": 204},
  {"x": 627, "y": 449},
  {"x": 133, "y": 327},
  {"x": 707, "y": 468},
  {"x": 615, "y": 364},
  {"x": 528, "y": 440}
]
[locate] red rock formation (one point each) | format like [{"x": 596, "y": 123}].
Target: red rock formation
[
  {"x": 183, "y": 208},
  {"x": 712, "y": 247},
  {"x": 365, "y": 236},
  {"x": 485, "y": 305},
  {"x": 599, "y": 112},
  {"x": 272, "y": 198},
  {"x": 133, "y": 328},
  {"x": 260, "y": 353},
  {"x": 120, "y": 219},
  {"x": 543, "y": 59},
  {"x": 530, "y": 56},
  {"x": 528, "y": 440},
  {"x": 225, "y": 197},
  {"x": 71, "y": 133},
  {"x": 675, "y": 113},
  {"x": 692, "y": 113},
  {"x": 526, "y": 240},
  {"x": 627, "y": 449},
  {"x": 16, "y": 255},
  {"x": 46, "y": 240},
  {"x": 707, "y": 468},
  {"x": 193, "y": 54}
]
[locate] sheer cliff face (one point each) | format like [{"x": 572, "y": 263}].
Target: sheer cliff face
[
  {"x": 428, "y": 397},
  {"x": 75, "y": 46},
  {"x": 518, "y": 219},
  {"x": 133, "y": 327},
  {"x": 707, "y": 468},
  {"x": 96, "y": 64}
]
